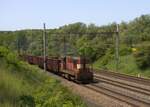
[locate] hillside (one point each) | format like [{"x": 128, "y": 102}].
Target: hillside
[
  {"x": 24, "y": 85},
  {"x": 127, "y": 65}
]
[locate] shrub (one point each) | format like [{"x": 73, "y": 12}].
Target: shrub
[
  {"x": 3, "y": 51},
  {"x": 53, "y": 94},
  {"x": 124, "y": 50},
  {"x": 142, "y": 56},
  {"x": 11, "y": 58},
  {"x": 26, "y": 101},
  {"x": 107, "y": 57}
]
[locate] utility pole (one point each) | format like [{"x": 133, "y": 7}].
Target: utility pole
[
  {"x": 65, "y": 50},
  {"x": 31, "y": 40},
  {"x": 117, "y": 48},
  {"x": 18, "y": 46},
  {"x": 44, "y": 46}
]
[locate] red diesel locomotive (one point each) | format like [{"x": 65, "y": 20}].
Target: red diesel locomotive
[{"x": 76, "y": 68}]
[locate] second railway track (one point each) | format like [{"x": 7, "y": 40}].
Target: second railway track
[
  {"x": 139, "y": 80},
  {"x": 133, "y": 94},
  {"x": 135, "y": 102},
  {"x": 124, "y": 85}
]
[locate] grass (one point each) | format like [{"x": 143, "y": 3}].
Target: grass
[
  {"x": 127, "y": 65},
  {"x": 11, "y": 87},
  {"x": 24, "y": 85}
]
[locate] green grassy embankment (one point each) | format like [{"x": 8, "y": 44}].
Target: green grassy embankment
[
  {"x": 127, "y": 65},
  {"x": 23, "y": 85}
]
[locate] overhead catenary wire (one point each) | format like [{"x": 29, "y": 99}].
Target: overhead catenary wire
[
  {"x": 110, "y": 34},
  {"x": 84, "y": 33}
]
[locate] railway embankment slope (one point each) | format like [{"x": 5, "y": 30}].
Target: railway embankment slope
[{"x": 24, "y": 85}]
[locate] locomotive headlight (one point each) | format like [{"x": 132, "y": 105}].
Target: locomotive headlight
[{"x": 79, "y": 66}]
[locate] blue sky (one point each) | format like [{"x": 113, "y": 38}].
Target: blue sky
[{"x": 23, "y": 14}]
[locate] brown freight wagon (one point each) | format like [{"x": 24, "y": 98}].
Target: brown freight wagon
[
  {"x": 53, "y": 64},
  {"x": 30, "y": 59},
  {"x": 35, "y": 60},
  {"x": 41, "y": 62}
]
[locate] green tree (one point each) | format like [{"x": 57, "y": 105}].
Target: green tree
[
  {"x": 22, "y": 42},
  {"x": 142, "y": 56}
]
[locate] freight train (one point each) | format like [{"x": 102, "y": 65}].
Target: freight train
[{"x": 72, "y": 68}]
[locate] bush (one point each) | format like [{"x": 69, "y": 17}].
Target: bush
[
  {"x": 53, "y": 94},
  {"x": 124, "y": 50},
  {"x": 106, "y": 58},
  {"x": 26, "y": 101},
  {"x": 142, "y": 57},
  {"x": 11, "y": 58},
  {"x": 3, "y": 51}
]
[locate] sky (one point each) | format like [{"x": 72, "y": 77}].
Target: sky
[{"x": 31, "y": 14}]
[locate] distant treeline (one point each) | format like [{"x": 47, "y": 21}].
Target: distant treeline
[{"x": 79, "y": 38}]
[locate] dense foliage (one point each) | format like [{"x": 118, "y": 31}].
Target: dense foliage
[{"x": 142, "y": 56}]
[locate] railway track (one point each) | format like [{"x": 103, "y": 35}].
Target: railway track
[
  {"x": 127, "y": 86},
  {"x": 138, "y": 80},
  {"x": 135, "y": 102},
  {"x": 133, "y": 94}
]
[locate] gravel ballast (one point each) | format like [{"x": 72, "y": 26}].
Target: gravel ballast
[{"x": 91, "y": 98}]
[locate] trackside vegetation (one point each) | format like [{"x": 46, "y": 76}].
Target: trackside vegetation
[{"x": 24, "y": 85}]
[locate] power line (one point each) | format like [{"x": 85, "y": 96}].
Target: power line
[{"x": 79, "y": 33}]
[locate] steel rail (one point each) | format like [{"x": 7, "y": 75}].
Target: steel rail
[
  {"x": 139, "y": 80},
  {"x": 119, "y": 96},
  {"x": 125, "y": 86}
]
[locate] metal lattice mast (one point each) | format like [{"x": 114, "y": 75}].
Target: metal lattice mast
[
  {"x": 117, "y": 48},
  {"x": 44, "y": 46}
]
